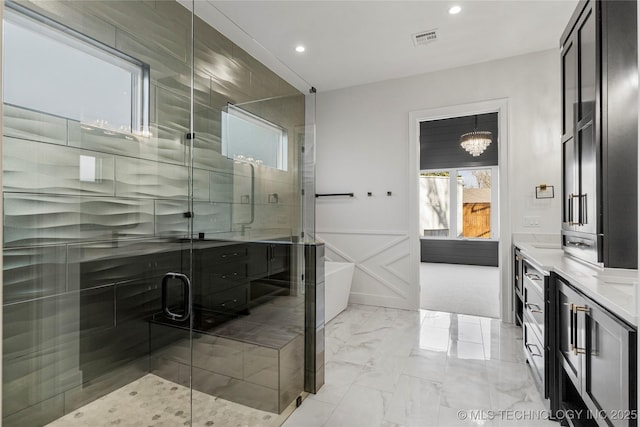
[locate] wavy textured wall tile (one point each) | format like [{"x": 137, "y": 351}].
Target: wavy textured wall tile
[
  {"x": 170, "y": 36},
  {"x": 170, "y": 219},
  {"x": 34, "y": 272},
  {"x": 144, "y": 178},
  {"x": 26, "y": 124},
  {"x": 113, "y": 231},
  {"x": 211, "y": 217},
  {"x": 163, "y": 65},
  {"x": 202, "y": 185},
  {"x": 34, "y": 167},
  {"x": 221, "y": 187},
  {"x": 98, "y": 264},
  {"x": 35, "y": 219},
  {"x": 152, "y": 148},
  {"x": 207, "y": 123},
  {"x": 43, "y": 344},
  {"x": 172, "y": 114},
  {"x": 68, "y": 13},
  {"x": 207, "y": 156}
]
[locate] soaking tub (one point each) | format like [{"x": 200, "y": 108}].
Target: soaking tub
[{"x": 337, "y": 287}]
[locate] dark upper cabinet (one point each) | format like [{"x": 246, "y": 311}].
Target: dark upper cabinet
[
  {"x": 597, "y": 354},
  {"x": 587, "y": 69},
  {"x": 599, "y": 133},
  {"x": 587, "y": 214},
  {"x": 569, "y": 87}
]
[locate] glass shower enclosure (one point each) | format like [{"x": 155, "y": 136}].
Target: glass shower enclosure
[{"x": 153, "y": 219}]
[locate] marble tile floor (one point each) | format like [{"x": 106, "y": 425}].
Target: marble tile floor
[
  {"x": 154, "y": 401},
  {"x": 463, "y": 289},
  {"x": 395, "y": 368}
]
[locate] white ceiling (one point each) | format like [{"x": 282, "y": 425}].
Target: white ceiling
[{"x": 351, "y": 43}]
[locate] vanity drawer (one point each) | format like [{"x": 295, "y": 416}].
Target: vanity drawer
[
  {"x": 229, "y": 301},
  {"x": 228, "y": 275},
  {"x": 534, "y": 352},
  {"x": 533, "y": 298},
  {"x": 225, "y": 254}
]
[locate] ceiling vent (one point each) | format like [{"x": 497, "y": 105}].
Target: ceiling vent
[{"x": 425, "y": 37}]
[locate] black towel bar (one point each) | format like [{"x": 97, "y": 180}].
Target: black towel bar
[{"x": 335, "y": 194}]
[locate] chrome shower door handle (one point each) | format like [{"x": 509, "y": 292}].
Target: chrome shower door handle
[{"x": 186, "y": 290}]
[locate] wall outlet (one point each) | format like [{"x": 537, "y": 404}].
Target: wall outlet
[{"x": 532, "y": 221}]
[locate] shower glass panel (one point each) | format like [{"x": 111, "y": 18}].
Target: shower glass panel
[
  {"x": 142, "y": 262},
  {"x": 97, "y": 185},
  {"x": 249, "y": 308}
]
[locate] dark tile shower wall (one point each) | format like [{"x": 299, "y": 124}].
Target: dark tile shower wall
[{"x": 83, "y": 260}]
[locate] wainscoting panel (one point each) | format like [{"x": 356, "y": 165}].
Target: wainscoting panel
[{"x": 382, "y": 275}]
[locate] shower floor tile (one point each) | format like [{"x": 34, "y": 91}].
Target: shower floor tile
[{"x": 154, "y": 401}]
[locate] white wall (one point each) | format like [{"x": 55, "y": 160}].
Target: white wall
[{"x": 363, "y": 142}]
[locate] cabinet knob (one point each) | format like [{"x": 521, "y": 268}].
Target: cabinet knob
[{"x": 224, "y": 304}]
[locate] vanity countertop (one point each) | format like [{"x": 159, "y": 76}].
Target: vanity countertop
[{"x": 614, "y": 289}]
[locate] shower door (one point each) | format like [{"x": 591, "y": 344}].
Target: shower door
[{"x": 98, "y": 191}]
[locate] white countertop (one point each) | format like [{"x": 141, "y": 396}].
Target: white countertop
[{"x": 614, "y": 289}]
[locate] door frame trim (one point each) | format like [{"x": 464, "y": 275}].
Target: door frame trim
[{"x": 500, "y": 106}]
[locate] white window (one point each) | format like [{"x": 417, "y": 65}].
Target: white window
[
  {"x": 53, "y": 69},
  {"x": 247, "y": 137},
  {"x": 459, "y": 203}
]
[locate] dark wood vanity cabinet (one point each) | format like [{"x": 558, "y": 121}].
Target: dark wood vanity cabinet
[
  {"x": 596, "y": 357},
  {"x": 221, "y": 282},
  {"x": 232, "y": 278},
  {"x": 269, "y": 270},
  {"x": 536, "y": 333},
  {"x": 517, "y": 286}
]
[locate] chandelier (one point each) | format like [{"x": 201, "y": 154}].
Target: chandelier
[{"x": 475, "y": 142}]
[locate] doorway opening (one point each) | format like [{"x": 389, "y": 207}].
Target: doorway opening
[{"x": 459, "y": 198}]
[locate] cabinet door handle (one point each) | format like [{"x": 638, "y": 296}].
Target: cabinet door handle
[
  {"x": 537, "y": 310},
  {"x": 570, "y": 220},
  {"x": 532, "y": 276},
  {"x": 534, "y": 354},
  {"x": 578, "y": 244},
  {"x": 578, "y": 309},
  {"x": 224, "y": 304},
  {"x": 572, "y": 343},
  {"x": 582, "y": 215},
  {"x": 581, "y": 308}
]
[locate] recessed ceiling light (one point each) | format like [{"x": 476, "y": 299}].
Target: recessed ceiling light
[
  {"x": 300, "y": 49},
  {"x": 455, "y": 10}
]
